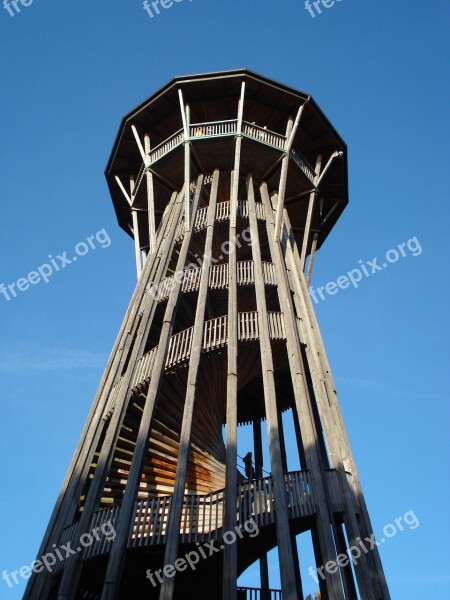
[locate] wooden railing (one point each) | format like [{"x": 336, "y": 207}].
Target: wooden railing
[
  {"x": 212, "y": 129},
  {"x": 215, "y": 335},
  {"x": 264, "y": 135},
  {"x": 303, "y": 165},
  {"x": 222, "y": 214},
  {"x": 219, "y": 129},
  {"x": 218, "y": 278},
  {"x": 100, "y": 541},
  {"x": 179, "y": 347},
  {"x": 143, "y": 369},
  {"x": 202, "y": 516},
  {"x": 246, "y": 593},
  {"x": 165, "y": 147}
]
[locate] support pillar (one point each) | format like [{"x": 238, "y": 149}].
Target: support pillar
[{"x": 176, "y": 507}]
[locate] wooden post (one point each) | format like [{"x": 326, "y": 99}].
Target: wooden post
[
  {"x": 117, "y": 556},
  {"x": 150, "y": 200},
  {"x": 137, "y": 244},
  {"x": 346, "y": 572},
  {"x": 39, "y": 586},
  {"x": 333, "y": 435},
  {"x": 282, "y": 184},
  {"x": 282, "y": 442},
  {"x": 72, "y": 568},
  {"x": 257, "y": 444},
  {"x": 287, "y": 567},
  {"x": 303, "y": 402},
  {"x": 259, "y": 461},
  {"x": 187, "y": 161},
  {"x": 291, "y": 130},
  {"x": 312, "y": 199},
  {"x": 311, "y": 259},
  {"x": 176, "y": 507},
  {"x": 229, "y": 590}
]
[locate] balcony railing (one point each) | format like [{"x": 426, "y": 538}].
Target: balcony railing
[
  {"x": 165, "y": 147},
  {"x": 215, "y": 335},
  {"x": 303, "y": 165},
  {"x": 222, "y": 214},
  {"x": 246, "y": 593},
  {"x": 202, "y": 515},
  {"x": 264, "y": 135},
  {"x": 212, "y": 129}
]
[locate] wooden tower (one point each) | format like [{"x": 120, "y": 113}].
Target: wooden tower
[{"x": 227, "y": 183}]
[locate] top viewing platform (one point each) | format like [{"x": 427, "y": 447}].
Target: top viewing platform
[{"x": 202, "y": 111}]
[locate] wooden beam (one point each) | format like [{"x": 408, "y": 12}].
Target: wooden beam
[
  {"x": 137, "y": 321},
  {"x": 258, "y": 448},
  {"x": 286, "y": 560},
  {"x": 137, "y": 244},
  {"x": 124, "y": 191},
  {"x": 291, "y": 137},
  {"x": 176, "y": 507},
  {"x": 229, "y": 578},
  {"x": 117, "y": 556},
  {"x": 150, "y": 201},
  {"x": 312, "y": 199},
  {"x": 282, "y": 185},
  {"x": 328, "y": 165},
  {"x": 143, "y": 153},
  {"x": 324, "y": 402},
  {"x": 303, "y": 402},
  {"x": 185, "y": 114},
  {"x": 311, "y": 259},
  {"x": 291, "y": 130}
]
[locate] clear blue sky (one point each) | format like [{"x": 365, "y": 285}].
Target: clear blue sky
[{"x": 69, "y": 72}]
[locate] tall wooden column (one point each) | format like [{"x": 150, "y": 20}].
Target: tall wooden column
[
  {"x": 303, "y": 402},
  {"x": 71, "y": 573},
  {"x": 259, "y": 461},
  {"x": 287, "y": 566},
  {"x": 229, "y": 591},
  {"x": 176, "y": 507},
  {"x": 117, "y": 556}
]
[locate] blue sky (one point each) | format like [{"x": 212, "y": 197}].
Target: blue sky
[{"x": 69, "y": 72}]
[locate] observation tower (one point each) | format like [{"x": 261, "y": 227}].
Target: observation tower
[{"x": 228, "y": 183}]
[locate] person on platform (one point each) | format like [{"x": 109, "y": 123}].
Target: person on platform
[{"x": 249, "y": 470}]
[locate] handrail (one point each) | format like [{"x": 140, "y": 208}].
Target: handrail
[
  {"x": 164, "y": 147},
  {"x": 222, "y": 214},
  {"x": 264, "y": 135},
  {"x": 218, "y": 278},
  {"x": 219, "y": 129},
  {"x": 212, "y": 129},
  {"x": 202, "y": 515},
  {"x": 303, "y": 165},
  {"x": 259, "y": 593},
  {"x": 215, "y": 335}
]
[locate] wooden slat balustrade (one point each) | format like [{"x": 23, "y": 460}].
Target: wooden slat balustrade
[{"x": 214, "y": 336}]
